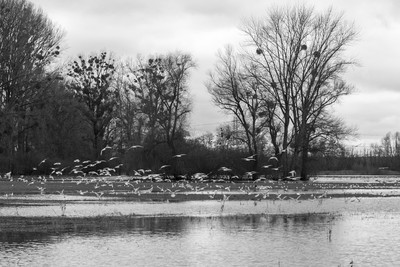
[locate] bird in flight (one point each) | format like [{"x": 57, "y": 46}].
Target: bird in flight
[
  {"x": 250, "y": 158},
  {"x": 266, "y": 166},
  {"x": 135, "y": 146},
  {"x": 178, "y": 155},
  {"x": 224, "y": 169},
  {"x": 104, "y": 149},
  {"x": 277, "y": 168},
  {"x": 273, "y": 158},
  {"x": 43, "y": 161},
  {"x": 164, "y": 167}
]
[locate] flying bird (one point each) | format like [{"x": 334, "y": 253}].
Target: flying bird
[
  {"x": 164, "y": 167},
  {"x": 250, "y": 158},
  {"x": 178, "y": 155},
  {"x": 224, "y": 169},
  {"x": 104, "y": 149},
  {"x": 43, "y": 161},
  {"x": 273, "y": 158},
  {"x": 135, "y": 146}
]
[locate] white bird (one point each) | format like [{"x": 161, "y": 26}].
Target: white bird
[
  {"x": 273, "y": 158},
  {"x": 178, "y": 155},
  {"x": 224, "y": 169},
  {"x": 82, "y": 192},
  {"x": 248, "y": 159},
  {"x": 135, "y": 146},
  {"x": 43, "y": 161},
  {"x": 292, "y": 173},
  {"x": 104, "y": 149},
  {"x": 77, "y": 161},
  {"x": 277, "y": 168},
  {"x": 98, "y": 194},
  {"x": 61, "y": 192},
  {"x": 41, "y": 189},
  {"x": 164, "y": 167},
  {"x": 266, "y": 166}
]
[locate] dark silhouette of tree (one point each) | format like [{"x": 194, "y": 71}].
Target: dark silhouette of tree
[
  {"x": 297, "y": 55},
  {"x": 91, "y": 80},
  {"x": 61, "y": 132},
  {"x": 240, "y": 94},
  {"x": 161, "y": 93},
  {"x": 29, "y": 42}
]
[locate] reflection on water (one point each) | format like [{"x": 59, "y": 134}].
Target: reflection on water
[
  {"x": 207, "y": 208},
  {"x": 357, "y": 178},
  {"x": 248, "y": 240}
]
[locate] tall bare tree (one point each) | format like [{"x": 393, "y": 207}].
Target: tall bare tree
[
  {"x": 297, "y": 55},
  {"x": 234, "y": 90},
  {"x": 29, "y": 42},
  {"x": 91, "y": 80},
  {"x": 160, "y": 85}
]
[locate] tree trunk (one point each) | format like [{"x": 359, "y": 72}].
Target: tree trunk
[{"x": 304, "y": 162}]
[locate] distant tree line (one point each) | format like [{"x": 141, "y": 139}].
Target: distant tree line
[{"x": 278, "y": 89}]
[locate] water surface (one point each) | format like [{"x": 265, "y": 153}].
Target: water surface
[{"x": 248, "y": 240}]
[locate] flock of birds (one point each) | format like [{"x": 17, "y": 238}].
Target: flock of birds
[{"x": 96, "y": 178}]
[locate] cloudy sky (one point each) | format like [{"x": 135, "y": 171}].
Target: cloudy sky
[{"x": 201, "y": 28}]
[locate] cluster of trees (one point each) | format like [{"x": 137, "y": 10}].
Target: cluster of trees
[
  {"x": 378, "y": 158},
  {"x": 279, "y": 88},
  {"x": 281, "y": 85},
  {"x": 74, "y": 111}
]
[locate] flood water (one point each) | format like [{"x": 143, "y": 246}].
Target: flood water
[
  {"x": 249, "y": 240},
  {"x": 279, "y": 231},
  {"x": 328, "y": 232}
]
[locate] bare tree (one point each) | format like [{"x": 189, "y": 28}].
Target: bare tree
[
  {"x": 129, "y": 122},
  {"x": 238, "y": 93},
  {"x": 297, "y": 55},
  {"x": 91, "y": 80},
  {"x": 29, "y": 42},
  {"x": 160, "y": 87},
  {"x": 329, "y": 134}
]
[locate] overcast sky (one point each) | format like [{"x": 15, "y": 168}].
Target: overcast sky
[{"x": 201, "y": 28}]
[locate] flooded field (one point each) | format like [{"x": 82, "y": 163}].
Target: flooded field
[
  {"x": 329, "y": 222},
  {"x": 364, "y": 239}
]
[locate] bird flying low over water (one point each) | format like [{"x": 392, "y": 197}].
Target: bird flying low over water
[
  {"x": 250, "y": 158},
  {"x": 43, "y": 161},
  {"x": 164, "y": 167},
  {"x": 104, "y": 149},
  {"x": 178, "y": 155},
  {"x": 273, "y": 158},
  {"x": 135, "y": 146},
  {"x": 277, "y": 168},
  {"x": 224, "y": 169}
]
